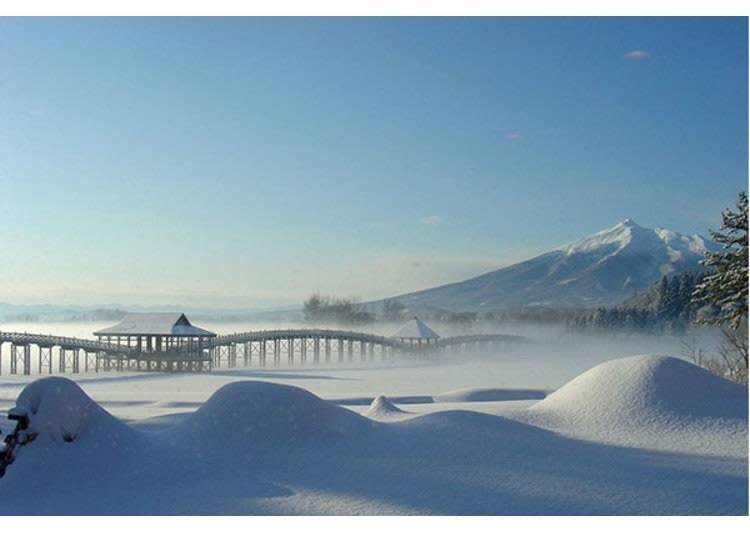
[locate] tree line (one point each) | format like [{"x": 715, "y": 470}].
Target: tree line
[
  {"x": 668, "y": 306},
  {"x": 332, "y": 310}
]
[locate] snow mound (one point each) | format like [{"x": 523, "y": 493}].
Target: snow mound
[
  {"x": 644, "y": 390},
  {"x": 264, "y": 448},
  {"x": 489, "y": 395},
  {"x": 254, "y": 412},
  {"x": 383, "y": 408},
  {"x": 59, "y": 411}
]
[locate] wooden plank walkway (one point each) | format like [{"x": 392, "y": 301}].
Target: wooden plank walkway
[{"x": 291, "y": 347}]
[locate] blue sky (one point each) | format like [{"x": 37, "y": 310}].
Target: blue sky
[{"x": 250, "y": 162}]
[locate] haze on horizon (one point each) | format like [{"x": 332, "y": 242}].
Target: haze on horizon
[{"x": 251, "y": 162}]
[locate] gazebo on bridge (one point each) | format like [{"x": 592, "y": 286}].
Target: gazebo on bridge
[
  {"x": 416, "y": 332},
  {"x": 166, "y": 337}
]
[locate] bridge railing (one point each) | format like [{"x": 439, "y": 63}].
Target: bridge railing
[
  {"x": 251, "y": 336},
  {"x": 66, "y": 342},
  {"x": 462, "y": 339}
]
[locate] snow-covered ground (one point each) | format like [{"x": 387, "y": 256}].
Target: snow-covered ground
[{"x": 463, "y": 435}]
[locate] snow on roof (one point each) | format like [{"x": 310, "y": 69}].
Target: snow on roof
[
  {"x": 415, "y": 329},
  {"x": 175, "y": 324}
]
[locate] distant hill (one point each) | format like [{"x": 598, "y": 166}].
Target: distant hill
[
  {"x": 602, "y": 269},
  {"x": 53, "y": 313}
]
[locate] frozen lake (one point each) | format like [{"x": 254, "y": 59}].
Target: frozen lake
[
  {"x": 505, "y": 432},
  {"x": 551, "y": 358}
]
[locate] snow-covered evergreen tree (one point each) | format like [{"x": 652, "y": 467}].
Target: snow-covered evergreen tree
[{"x": 727, "y": 287}]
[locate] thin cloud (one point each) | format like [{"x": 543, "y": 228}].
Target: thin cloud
[
  {"x": 637, "y": 54},
  {"x": 430, "y": 220},
  {"x": 513, "y": 136}
]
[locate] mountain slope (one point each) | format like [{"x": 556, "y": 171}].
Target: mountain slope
[{"x": 602, "y": 269}]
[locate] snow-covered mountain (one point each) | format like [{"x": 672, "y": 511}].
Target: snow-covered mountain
[{"x": 604, "y": 268}]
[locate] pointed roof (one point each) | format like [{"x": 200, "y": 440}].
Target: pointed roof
[
  {"x": 415, "y": 329},
  {"x": 170, "y": 324}
]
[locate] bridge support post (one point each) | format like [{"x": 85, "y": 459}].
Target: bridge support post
[
  {"x": 263, "y": 350},
  {"x": 26, "y": 356},
  {"x": 290, "y": 351},
  {"x": 316, "y": 350},
  {"x": 350, "y": 349},
  {"x": 328, "y": 350},
  {"x": 45, "y": 358},
  {"x": 248, "y": 355},
  {"x": 303, "y": 350},
  {"x": 341, "y": 350}
]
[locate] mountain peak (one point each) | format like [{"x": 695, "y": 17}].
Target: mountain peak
[
  {"x": 621, "y": 235},
  {"x": 628, "y": 235},
  {"x": 601, "y": 269},
  {"x": 627, "y": 222}
]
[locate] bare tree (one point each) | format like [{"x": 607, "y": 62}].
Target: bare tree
[
  {"x": 733, "y": 352},
  {"x": 730, "y": 360}
]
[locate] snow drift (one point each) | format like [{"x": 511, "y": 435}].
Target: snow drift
[
  {"x": 254, "y": 412},
  {"x": 489, "y": 395},
  {"x": 265, "y": 448},
  {"x": 59, "y": 411},
  {"x": 383, "y": 408},
  {"x": 647, "y": 401},
  {"x": 641, "y": 389}
]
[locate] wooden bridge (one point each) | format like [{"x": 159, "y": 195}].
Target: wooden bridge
[
  {"x": 71, "y": 351},
  {"x": 292, "y": 347}
]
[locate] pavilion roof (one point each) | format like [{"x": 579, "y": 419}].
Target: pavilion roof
[
  {"x": 415, "y": 329},
  {"x": 168, "y": 324}
]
